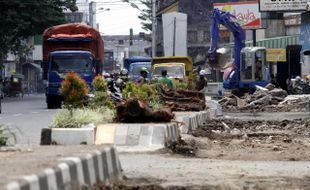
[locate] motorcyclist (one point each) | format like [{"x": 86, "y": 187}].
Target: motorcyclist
[
  {"x": 143, "y": 76},
  {"x": 124, "y": 75}
]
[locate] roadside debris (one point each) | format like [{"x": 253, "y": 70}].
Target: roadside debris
[
  {"x": 235, "y": 139},
  {"x": 183, "y": 100},
  {"x": 138, "y": 111},
  {"x": 182, "y": 147},
  {"x": 268, "y": 99}
]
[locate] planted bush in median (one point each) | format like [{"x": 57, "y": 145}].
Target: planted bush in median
[{"x": 74, "y": 90}]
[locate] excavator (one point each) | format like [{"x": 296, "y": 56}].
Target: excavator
[{"x": 250, "y": 68}]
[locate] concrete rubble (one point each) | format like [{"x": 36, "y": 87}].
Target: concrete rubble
[{"x": 268, "y": 99}]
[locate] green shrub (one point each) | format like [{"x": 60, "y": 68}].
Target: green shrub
[
  {"x": 143, "y": 92},
  {"x": 5, "y": 135},
  {"x": 74, "y": 90},
  {"x": 100, "y": 84},
  {"x": 80, "y": 117},
  {"x": 101, "y": 97}
]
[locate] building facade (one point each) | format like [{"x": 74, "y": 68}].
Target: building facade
[
  {"x": 121, "y": 47},
  {"x": 278, "y": 30}
]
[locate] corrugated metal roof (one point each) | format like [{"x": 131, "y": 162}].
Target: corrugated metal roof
[{"x": 277, "y": 42}]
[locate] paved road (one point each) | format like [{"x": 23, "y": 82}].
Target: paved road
[
  {"x": 222, "y": 174},
  {"x": 26, "y": 117}
]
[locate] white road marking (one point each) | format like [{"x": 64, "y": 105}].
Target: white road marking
[
  {"x": 35, "y": 112},
  {"x": 18, "y": 114}
]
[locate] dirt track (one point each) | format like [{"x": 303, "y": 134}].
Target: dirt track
[{"x": 249, "y": 140}]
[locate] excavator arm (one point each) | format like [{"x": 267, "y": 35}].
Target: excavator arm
[{"x": 225, "y": 18}]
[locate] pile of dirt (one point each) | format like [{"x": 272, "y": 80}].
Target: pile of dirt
[
  {"x": 269, "y": 99},
  {"x": 183, "y": 148},
  {"x": 183, "y": 100},
  {"x": 251, "y": 140}
]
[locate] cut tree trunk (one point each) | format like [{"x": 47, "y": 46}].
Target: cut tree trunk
[{"x": 137, "y": 111}]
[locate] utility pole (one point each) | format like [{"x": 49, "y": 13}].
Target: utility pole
[
  {"x": 153, "y": 28},
  {"x": 174, "y": 34}
]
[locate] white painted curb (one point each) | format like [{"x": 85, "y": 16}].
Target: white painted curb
[
  {"x": 73, "y": 136},
  {"x": 140, "y": 135},
  {"x": 74, "y": 173},
  {"x": 191, "y": 120}
]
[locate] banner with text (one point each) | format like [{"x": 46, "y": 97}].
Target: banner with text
[
  {"x": 246, "y": 13},
  {"x": 276, "y": 55},
  {"x": 283, "y": 5}
]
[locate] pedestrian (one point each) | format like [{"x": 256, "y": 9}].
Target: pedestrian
[
  {"x": 273, "y": 80},
  {"x": 143, "y": 79},
  {"x": 201, "y": 83},
  {"x": 164, "y": 82}
]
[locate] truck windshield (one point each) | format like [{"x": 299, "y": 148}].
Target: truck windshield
[
  {"x": 136, "y": 68},
  {"x": 76, "y": 63},
  {"x": 176, "y": 71}
]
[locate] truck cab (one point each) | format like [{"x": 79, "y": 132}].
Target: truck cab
[
  {"x": 254, "y": 69},
  {"x": 135, "y": 68},
  {"x": 62, "y": 62},
  {"x": 180, "y": 69}
]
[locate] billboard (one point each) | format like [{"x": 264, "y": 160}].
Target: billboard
[
  {"x": 175, "y": 34},
  {"x": 246, "y": 13},
  {"x": 282, "y": 5}
]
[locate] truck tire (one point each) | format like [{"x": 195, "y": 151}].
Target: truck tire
[{"x": 51, "y": 102}]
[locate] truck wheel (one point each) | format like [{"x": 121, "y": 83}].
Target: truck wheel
[
  {"x": 50, "y": 101},
  {"x": 50, "y": 104},
  {"x": 58, "y": 103}
]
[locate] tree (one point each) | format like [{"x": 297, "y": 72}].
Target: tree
[
  {"x": 145, "y": 15},
  {"x": 20, "y": 19}
]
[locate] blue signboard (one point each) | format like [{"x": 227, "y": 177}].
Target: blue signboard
[{"x": 305, "y": 32}]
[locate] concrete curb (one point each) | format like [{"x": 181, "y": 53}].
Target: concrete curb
[
  {"x": 68, "y": 136},
  {"x": 138, "y": 135},
  {"x": 74, "y": 173},
  {"x": 215, "y": 107},
  {"x": 191, "y": 120}
]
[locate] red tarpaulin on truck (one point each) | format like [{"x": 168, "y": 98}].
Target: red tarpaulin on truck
[{"x": 52, "y": 40}]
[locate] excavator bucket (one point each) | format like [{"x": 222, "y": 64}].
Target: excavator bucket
[{"x": 222, "y": 59}]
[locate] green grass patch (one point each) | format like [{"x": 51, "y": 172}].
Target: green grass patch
[
  {"x": 5, "y": 135},
  {"x": 79, "y": 117}
]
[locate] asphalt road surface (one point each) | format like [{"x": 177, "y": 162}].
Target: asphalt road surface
[{"x": 26, "y": 117}]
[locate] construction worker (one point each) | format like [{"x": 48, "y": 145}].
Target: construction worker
[
  {"x": 201, "y": 82},
  {"x": 143, "y": 76},
  {"x": 164, "y": 82}
]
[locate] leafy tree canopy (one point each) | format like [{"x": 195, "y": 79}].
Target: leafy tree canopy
[
  {"x": 146, "y": 13},
  {"x": 20, "y": 19}
]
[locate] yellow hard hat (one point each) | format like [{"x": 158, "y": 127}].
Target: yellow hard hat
[{"x": 308, "y": 77}]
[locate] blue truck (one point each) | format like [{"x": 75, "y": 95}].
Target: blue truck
[
  {"x": 70, "y": 48},
  {"x": 134, "y": 65}
]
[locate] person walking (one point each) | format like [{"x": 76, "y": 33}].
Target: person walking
[{"x": 164, "y": 82}]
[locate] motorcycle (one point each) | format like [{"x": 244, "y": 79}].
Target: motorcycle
[{"x": 115, "y": 88}]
